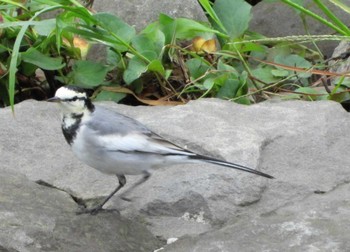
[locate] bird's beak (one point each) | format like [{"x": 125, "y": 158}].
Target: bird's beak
[{"x": 54, "y": 99}]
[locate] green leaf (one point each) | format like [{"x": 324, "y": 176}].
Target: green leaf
[
  {"x": 149, "y": 56},
  {"x": 309, "y": 90},
  {"x": 28, "y": 69},
  {"x": 165, "y": 19},
  {"x": 243, "y": 100},
  {"x": 234, "y": 15},
  {"x": 229, "y": 70},
  {"x": 45, "y": 27},
  {"x": 229, "y": 89},
  {"x": 213, "y": 18},
  {"x": 115, "y": 25},
  {"x": 150, "y": 39},
  {"x": 265, "y": 74},
  {"x": 143, "y": 43},
  {"x": 113, "y": 58},
  {"x": 43, "y": 61},
  {"x": 167, "y": 26},
  {"x": 107, "y": 40},
  {"x": 110, "y": 96},
  {"x": 167, "y": 73},
  {"x": 156, "y": 66},
  {"x": 280, "y": 72},
  {"x": 312, "y": 93},
  {"x": 243, "y": 88},
  {"x": 88, "y": 74},
  {"x": 77, "y": 13},
  {"x": 252, "y": 47},
  {"x": 197, "y": 68},
  {"x": 294, "y": 61},
  {"x": 135, "y": 69},
  {"x": 209, "y": 83},
  {"x": 188, "y": 28}
]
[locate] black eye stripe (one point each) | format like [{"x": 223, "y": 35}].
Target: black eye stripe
[{"x": 74, "y": 99}]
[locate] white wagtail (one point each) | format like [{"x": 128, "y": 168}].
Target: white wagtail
[{"x": 116, "y": 144}]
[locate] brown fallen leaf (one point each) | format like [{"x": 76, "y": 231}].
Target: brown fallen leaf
[{"x": 159, "y": 102}]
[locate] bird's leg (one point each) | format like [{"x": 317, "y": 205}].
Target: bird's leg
[
  {"x": 94, "y": 210},
  {"x": 146, "y": 176}
]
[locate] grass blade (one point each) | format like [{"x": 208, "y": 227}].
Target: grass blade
[
  {"x": 315, "y": 16},
  {"x": 15, "y": 53}
]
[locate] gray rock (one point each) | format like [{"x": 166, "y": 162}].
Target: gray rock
[
  {"x": 277, "y": 20},
  {"x": 178, "y": 193},
  {"x": 38, "y": 218},
  {"x": 302, "y": 144},
  {"x": 140, "y": 13},
  {"x": 306, "y": 207},
  {"x": 341, "y": 62},
  {"x": 319, "y": 222}
]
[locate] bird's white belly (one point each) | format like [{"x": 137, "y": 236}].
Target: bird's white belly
[{"x": 113, "y": 162}]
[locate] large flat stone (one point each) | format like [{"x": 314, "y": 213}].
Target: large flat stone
[
  {"x": 319, "y": 222},
  {"x": 302, "y": 144},
  {"x": 38, "y": 218}
]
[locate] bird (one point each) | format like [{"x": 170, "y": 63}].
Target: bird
[{"x": 120, "y": 145}]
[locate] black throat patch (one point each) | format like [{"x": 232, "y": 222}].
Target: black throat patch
[{"x": 71, "y": 131}]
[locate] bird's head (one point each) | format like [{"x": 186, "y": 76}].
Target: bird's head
[{"x": 72, "y": 99}]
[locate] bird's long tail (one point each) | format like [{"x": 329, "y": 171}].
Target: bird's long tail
[{"x": 228, "y": 164}]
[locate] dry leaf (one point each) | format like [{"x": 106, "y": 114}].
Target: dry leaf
[
  {"x": 209, "y": 46},
  {"x": 159, "y": 102},
  {"x": 200, "y": 45}
]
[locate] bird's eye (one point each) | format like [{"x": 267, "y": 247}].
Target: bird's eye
[{"x": 73, "y": 99}]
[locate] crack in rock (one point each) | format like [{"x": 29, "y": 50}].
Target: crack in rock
[{"x": 336, "y": 187}]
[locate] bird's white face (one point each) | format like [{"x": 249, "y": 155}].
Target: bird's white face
[{"x": 71, "y": 100}]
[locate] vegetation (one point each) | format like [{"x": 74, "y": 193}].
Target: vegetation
[{"x": 170, "y": 61}]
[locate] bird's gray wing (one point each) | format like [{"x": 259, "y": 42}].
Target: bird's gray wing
[
  {"x": 116, "y": 132},
  {"x": 108, "y": 122}
]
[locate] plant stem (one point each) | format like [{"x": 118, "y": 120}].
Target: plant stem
[
  {"x": 262, "y": 89},
  {"x": 315, "y": 16},
  {"x": 245, "y": 65},
  {"x": 334, "y": 18}
]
